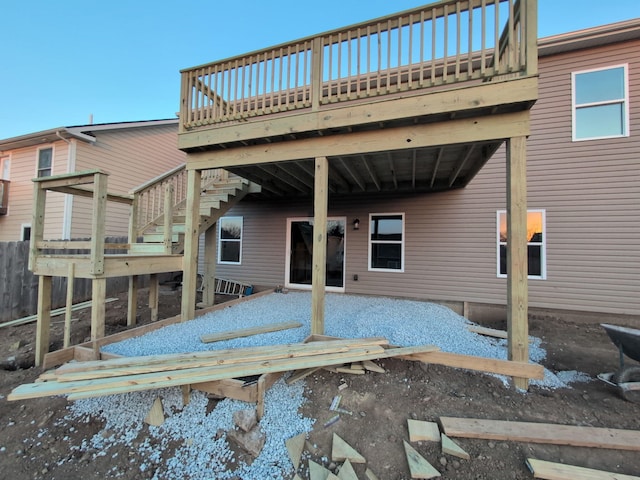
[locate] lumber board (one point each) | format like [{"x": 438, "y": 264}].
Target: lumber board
[
  {"x": 489, "y": 332},
  {"x": 341, "y": 451},
  {"x": 226, "y": 356},
  {"x": 553, "y": 434},
  {"x": 300, "y": 374},
  {"x": 419, "y": 467},
  {"x": 146, "y": 381},
  {"x": 481, "y": 364},
  {"x": 421, "y": 431},
  {"x": 373, "y": 367},
  {"x": 246, "y": 332},
  {"x": 560, "y": 471},
  {"x": 231, "y": 388}
]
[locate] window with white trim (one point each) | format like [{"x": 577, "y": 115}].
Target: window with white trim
[
  {"x": 45, "y": 162},
  {"x": 5, "y": 168},
  {"x": 536, "y": 244},
  {"x": 230, "y": 240},
  {"x": 600, "y": 103},
  {"x": 386, "y": 242},
  {"x": 25, "y": 234}
]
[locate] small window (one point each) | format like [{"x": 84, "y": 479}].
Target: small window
[
  {"x": 386, "y": 242},
  {"x": 5, "y": 168},
  {"x": 26, "y": 233},
  {"x": 536, "y": 244},
  {"x": 600, "y": 99},
  {"x": 230, "y": 240},
  {"x": 45, "y": 158}
]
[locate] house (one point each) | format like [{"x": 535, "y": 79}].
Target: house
[
  {"x": 131, "y": 153},
  {"x": 583, "y": 206}
]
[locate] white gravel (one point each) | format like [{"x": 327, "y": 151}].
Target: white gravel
[{"x": 201, "y": 454}]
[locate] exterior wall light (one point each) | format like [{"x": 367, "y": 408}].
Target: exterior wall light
[{"x": 356, "y": 224}]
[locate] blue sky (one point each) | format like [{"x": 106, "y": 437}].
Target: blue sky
[{"x": 119, "y": 60}]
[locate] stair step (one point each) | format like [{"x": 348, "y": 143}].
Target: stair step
[
  {"x": 146, "y": 248},
  {"x": 159, "y": 237},
  {"x": 210, "y": 202},
  {"x": 175, "y": 228}
]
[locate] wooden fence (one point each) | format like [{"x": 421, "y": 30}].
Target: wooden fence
[{"x": 19, "y": 286}]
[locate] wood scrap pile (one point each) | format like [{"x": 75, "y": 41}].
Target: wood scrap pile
[{"x": 121, "y": 375}]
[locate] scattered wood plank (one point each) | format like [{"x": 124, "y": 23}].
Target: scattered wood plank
[
  {"x": 300, "y": 374},
  {"x": 54, "y": 313},
  {"x": 481, "y": 364},
  {"x": 542, "y": 433},
  {"x": 452, "y": 448},
  {"x": 77, "y": 389},
  {"x": 418, "y": 465},
  {"x": 317, "y": 471},
  {"x": 246, "y": 332},
  {"x": 295, "y": 445},
  {"x": 349, "y": 371},
  {"x": 560, "y": 471},
  {"x": 341, "y": 451},
  {"x": 488, "y": 332},
  {"x": 373, "y": 367},
  {"x": 155, "y": 416},
  {"x": 347, "y": 472},
  {"x": 420, "y": 431}
]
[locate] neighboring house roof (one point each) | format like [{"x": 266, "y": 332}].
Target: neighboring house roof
[
  {"x": 80, "y": 132},
  {"x": 589, "y": 37}
]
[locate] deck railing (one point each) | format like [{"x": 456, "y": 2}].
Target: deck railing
[
  {"x": 150, "y": 199},
  {"x": 445, "y": 43}
]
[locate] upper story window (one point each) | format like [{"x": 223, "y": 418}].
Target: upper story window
[
  {"x": 5, "y": 168},
  {"x": 230, "y": 240},
  {"x": 386, "y": 242},
  {"x": 600, "y": 103},
  {"x": 536, "y": 244},
  {"x": 45, "y": 160}
]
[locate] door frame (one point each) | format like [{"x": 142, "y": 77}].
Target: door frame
[{"x": 287, "y": 270}]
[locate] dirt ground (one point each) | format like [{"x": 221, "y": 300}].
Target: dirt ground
[{"x": 380, "y": 405}]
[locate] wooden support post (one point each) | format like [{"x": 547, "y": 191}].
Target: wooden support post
[
  {"x": 168, "y": 218},
  {"x": 190, "y": 259},
  {"x": 67, "y": 316},
  {"x": 153, "y": 296},
  {"x": 132, "y": 301},
  {"x": 98, "y": 294},
  {"x": 517, "y": 267},
  {"x": 43, "y": 327},
  {"x": 98, "y": 223},
  {"x": 262, "y": 388},
  {"x": 209, "y": 280},
  {"x": 37, "y": 222},
  {"x": 318, "y": 277}
]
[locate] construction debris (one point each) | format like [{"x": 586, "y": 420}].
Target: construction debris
[
  {"x": 245, "y": 420},
  {"x": 560, "y": 471},
  {"x": 542, "y": 433},
  {"x": 155, "y": 417},
  {"x": 418, "y": 466},
  {"x": 452, "y": 448},
  {"x": 295, "y": 445},
  {"x": 347, "y": 472},
  {"x": 247, "y": 332},
  {"x": 251, "y": 441},
  {"x": 341, "y": 451},
  {"x": 317, "y": 471},
  {"x": 423, "y": 431}
]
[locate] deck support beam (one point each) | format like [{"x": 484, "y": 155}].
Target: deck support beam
[
  {"x": 154, "y": 288},
  {"x": 43, "y": 327},
  {"x": 318, "y": 278},
  {"x": 98, "y": 307},
  {"x": 517, "y": 267},
  {"x": 209, "y": 280},
  {"x": 190, "y": 259}
]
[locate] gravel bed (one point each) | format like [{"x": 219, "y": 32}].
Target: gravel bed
[{"x": 198, "y": 453}]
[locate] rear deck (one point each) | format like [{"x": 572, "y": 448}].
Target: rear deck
[{"x": 413, "y": 102}]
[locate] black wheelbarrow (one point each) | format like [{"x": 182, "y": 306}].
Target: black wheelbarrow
[{"x": 627, "y": 378}]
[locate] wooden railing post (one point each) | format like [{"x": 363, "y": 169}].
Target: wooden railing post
[
  {"x": 530, "y": 11},
  {"x": 316, "y": 73},
  {"x": 168, "y": 218}
]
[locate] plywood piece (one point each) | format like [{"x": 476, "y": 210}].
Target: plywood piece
[
  {"x": 373, "y": 367},
  {"x": 246, "y": 332},
  {"x": 341, "y": 450},
  {"x": 420, "y": 431},
  {"x": 452, "y": 448},
  {"x": 418, "y": 466},
  {"x": 317, "y": 471},
  {"x": 559, "y": 471},
  {"x": 295, "y": 445},
  {"x": 542, "y": 433},
  {"x": 347, "y": 472},
  {"x": 155, "y": 417}
]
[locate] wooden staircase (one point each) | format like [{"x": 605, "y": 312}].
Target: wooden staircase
[{"x": 159, "y": 207}]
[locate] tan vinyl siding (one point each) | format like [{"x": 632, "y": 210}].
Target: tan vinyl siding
[
  {"x": 24, "y": 163},
  {"x": 131, "y": 156},
  {"x": 590, "y": 191}
]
